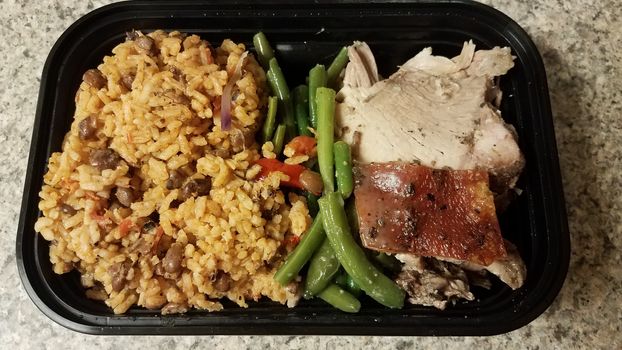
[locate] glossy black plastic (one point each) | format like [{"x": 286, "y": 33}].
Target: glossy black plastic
[{"x": 304, "y": 34}]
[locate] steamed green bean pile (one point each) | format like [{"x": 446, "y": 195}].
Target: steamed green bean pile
[{"x": 332, "y": 264}]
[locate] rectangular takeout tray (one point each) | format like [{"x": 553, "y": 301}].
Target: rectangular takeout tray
[{"x": 305, "y": 34}]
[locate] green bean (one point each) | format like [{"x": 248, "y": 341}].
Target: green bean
[
  {"x": 335, "y": 68},
  {"x": 289, "y": 119},
  {"x": 340, "y": 299},
  {"x": 285, "y": 107},
  {"x": 325, "y": 99},
  {"x": 317, "y": 78},
  {"x": 272, "y": 81},
  {"x": 353, "y": 217},
  {"x": 346, "y": 282},
  {"x": 343, "y": 168},
  {"x": 279, "y": 85},
  {"x": 352, "y": 287},
  {"x": 301, "y": 109},
  {"x": 309, "y": 243},
  {"x": 341, "y": 279},
  {"x": 322, "y": 268},
  {"x": 270, "y": 122},
  {"x": 351, "y": 256},
  {"x": 279, "y": 139},
  {"x": 263, "y": 49},
  {"x": 312, "y": 203}
]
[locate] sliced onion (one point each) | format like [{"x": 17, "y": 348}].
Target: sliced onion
[{"x": 225, "y": 106}]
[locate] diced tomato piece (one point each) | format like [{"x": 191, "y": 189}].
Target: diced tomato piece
[
  {"x": 96, "y": 216},
  {"x": 124, "y": 227},
  {"x": 293, "y": 240},
  {"x": 292, "y": 170},
  {"x": 158, "y": 235},
  {"x": 303, "y": 145},
  {"x": 92, "y": 196}
]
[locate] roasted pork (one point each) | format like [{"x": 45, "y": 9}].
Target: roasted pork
[
  {"x": 437, "y": 111},
  {"x": 433, "y": 154},
  {"x": 441, "y": 223},
  {"x": 410, "y": 208}
]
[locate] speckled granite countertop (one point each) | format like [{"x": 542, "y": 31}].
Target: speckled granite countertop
[{"x": 582, "y": 50}]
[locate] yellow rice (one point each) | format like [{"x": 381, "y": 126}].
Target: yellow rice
[{"x": 241, "y": 229}]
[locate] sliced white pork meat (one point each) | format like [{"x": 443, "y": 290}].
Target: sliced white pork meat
[{"x": 436, "y": 111}]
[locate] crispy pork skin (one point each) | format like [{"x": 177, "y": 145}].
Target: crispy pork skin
[{"x": 409, "y": 208}]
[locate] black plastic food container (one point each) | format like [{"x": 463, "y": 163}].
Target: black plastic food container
[{"x": 303, "y": 35}]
